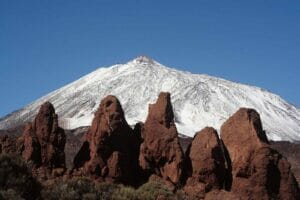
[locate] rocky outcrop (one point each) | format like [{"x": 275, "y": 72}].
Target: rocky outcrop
[
  {"x": 242, "y": 134},
  {"x": 291, "y": 151},
  {"x": 205, "y": 164},
  {"x": 109, "y": 150},
  {"x": 43, "y": 140},
  {"x": 258, "y": 171},
  {"x": 160, "y": 152},
  {"x": 240, "y": 165}
]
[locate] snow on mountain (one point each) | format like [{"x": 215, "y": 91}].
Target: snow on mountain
[{"x": 198, "y": 100}]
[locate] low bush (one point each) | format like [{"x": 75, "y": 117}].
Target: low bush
[
  {"x": 125, "y": 193},
  {"x": 86, "y": 189},
  {"x": 10, "y": 194},
  {"x": 105, "y": 191},
  {"x": 16, "y": 179},
  {"x": 76, "y": 189},
  {"x": 181, "y": 195},
  {"x": 151, "y": 190}
]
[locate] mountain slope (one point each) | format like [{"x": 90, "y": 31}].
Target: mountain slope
[{"x": 198, "y": 100}]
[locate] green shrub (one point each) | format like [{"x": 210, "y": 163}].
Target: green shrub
[
  {"x": 90, "y": 196},
  {"x": 151, "y": 190},
  {"x": 181, "y": 195},
  {"x": 125, "y": 193},
  {"x": 80, "y": 188},
  {"x": 77, "y": 188},
  {"x": 10, "y": 194},
  {"x": 86, "y": 189},
  {"x": 15, "y": 178},
  {"x": 105, "y": 191}
]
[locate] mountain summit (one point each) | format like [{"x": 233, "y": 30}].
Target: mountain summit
[
  {"x": 198, "y": 100},
  {"x": 143, "y": 59}
]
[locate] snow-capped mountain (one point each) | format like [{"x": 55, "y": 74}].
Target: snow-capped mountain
[{"x": 198, "y": 100}]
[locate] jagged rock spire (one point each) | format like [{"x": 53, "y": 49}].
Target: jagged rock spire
[
  {"x": 109, "y": 151},
  {"x": 258, "y": 171},
  {"x": 44, "y": 141},
  {"x": 205, "y": 163},
  {"x": 160, "y": 152}
]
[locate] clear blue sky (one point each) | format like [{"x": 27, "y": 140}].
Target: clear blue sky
[{"x": 45, "y": 44}]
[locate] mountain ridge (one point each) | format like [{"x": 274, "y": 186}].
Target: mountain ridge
[{"x": 199, "y": 100}]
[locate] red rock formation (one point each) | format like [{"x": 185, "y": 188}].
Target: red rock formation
[
  {"x": 43, "y": 140},
  {"x": 109, "y": 149},
  {"x": 160, "y": 152},
  {"x": 205, "y": 163},
  {"x": 258, "y": 172},
  {"x": 243, "y": 134},
  {"x": 240, "y": 166},
  {"x": 32, "y": 147}
]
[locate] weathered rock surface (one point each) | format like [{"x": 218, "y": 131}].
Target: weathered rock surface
[
  {"x": 258, "y": 171},
  {"x": 43, "y": 140},
  {"x": 242, "y": 134},
  {"x": 110, "y": 149},
  {"x": 160, "y": 152},
  {"x": 240, "y": 165},
  {"x": 292, "y": 152},
  {"x": 205, "y": 163}
]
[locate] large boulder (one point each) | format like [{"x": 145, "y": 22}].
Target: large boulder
[
  {"x": 109, "y": 149},
  {"x": 43, "y": 140},
  {"x": 258, "y": 171},
  {"x": 242, "y": 134},
  {"x": 205, "y": 163},
  {"x": 160, "y": 152}
]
